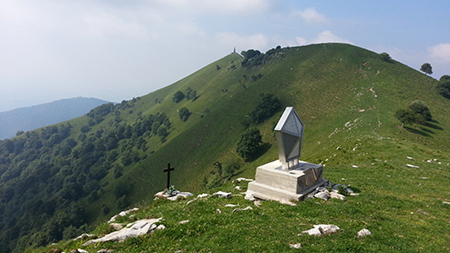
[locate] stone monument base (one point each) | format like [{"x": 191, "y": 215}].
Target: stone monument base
[{"x": 273, "y": 183}]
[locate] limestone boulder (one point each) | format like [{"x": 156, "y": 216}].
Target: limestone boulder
[{"x": 138, "y": 228}]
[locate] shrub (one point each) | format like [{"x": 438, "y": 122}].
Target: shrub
[
  {"x": 249, "y": 143},
  {"x": 178, "y": 96},
  {"x": 184, "y": 113},
  {"x": 268, "y": 106}
]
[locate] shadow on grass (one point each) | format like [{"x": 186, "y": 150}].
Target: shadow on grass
[
  {"x": 430, "y": 125},
  {"x": 354, "y": 189},
  {"x": 416, "y": 131},
  {"x": 427, "y": 130},
  {"x": 261, "y": 151}
]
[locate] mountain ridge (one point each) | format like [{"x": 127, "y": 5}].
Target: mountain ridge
[
  {"x": 346, "y": 96},
  {"x": 37, "y": 116}
]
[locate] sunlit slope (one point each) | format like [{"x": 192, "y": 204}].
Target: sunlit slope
[{"x": 345, "y": 95}]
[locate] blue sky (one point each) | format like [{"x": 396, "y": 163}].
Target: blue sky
[{"x": 116, "y": 50}]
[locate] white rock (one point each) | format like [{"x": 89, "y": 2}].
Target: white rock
[
  {"x": 257, "y": 202},
  {"x": 409, "y": 158},
  {"x": 322, "y": 229},
  {"x": 230, "y": 205},
  {"x": 249, "y": 195},
  {"x": 218, "y": 210},
  {"x": 335, "y": 195},
  {"x": 412, "y": 166},
  {"x": 183, "y": 222},
  {"x": 244, "y": 179},
  {"x": 82, "y": 251},
  {"x": 295, "y": 246},
  {"x": 160, "y": 227},
  {"x": 354, "y": 166},
  {"x": 325, "y": 195},
  {"x": 222, "y": 194},
  {"x": 363, "y": 232},
  {"x": 83, "y": 236},
  {"x": 446, "y": 202},
  {"x": 287, "y": 202},
  {"x": 237, "y": 188},
  {"x": 116, "y": 226},
  {"x": 242, "y": 209},
  {"x": 140, "y": 227},
  {"x": 203, "y": 195}
]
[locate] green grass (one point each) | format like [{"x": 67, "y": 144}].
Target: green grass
[{"x": 404, "y": 213}]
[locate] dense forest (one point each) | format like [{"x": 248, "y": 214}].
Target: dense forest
[{"x": 46, "y": 174}]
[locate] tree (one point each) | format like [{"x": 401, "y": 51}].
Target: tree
[
  {"x": 184, "y": 113},
  {"x": 426, "y": 68},
  {"x": 268, "y": 106},
  {"x": 420, "y": 108},
  {"x": 405, "y": 116},
  {"x": 249, "y": 143},
  {"x": 443, "y": 87},
  {"x": 178, "y": 96},
  {"x": 385, "y": 57}
]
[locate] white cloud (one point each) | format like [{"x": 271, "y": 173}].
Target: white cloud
[
  {"x": 323, "y": 37},
  {"x": 440, "y": 52},
  {"x": 328, "y": 36},
  {"x": 255, "y": 41},
  {"x": 309, "y": 15},
  {"x": 104, "y": 24},
  {"x": 216, "y": 6}
]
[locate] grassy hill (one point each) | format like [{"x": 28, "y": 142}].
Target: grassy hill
[{"x": 345, "y": 95}]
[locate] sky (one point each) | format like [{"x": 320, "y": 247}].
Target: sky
[{"x": 116, "y": 50}]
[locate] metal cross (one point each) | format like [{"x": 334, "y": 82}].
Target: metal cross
[{"x": 168, "y": 170}]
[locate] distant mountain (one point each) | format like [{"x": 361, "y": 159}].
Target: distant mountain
[{"x": 29, "y": 118}]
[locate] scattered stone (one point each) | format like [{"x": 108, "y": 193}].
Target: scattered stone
[
  {"x": 116, "y": 226},
  {"x": 423, "y": 177},
  {"x": 412, "y": 166},
  {"x": 237, "y": 188},
  {"x": 257, "y": 202},
  {"x": 321, "y": 229},
  {"x": 203, "y": 195},
  {"x": 287, "y": 202},
  {"x": 354, "y": 166},
  {"x": 174, "y": 196},
  {"x": 230, "y": 205},
  {"x": 180, "y": 195},
  {"x": 242, "y": 209},
  {"x": 83, "y": 236},
  {"x": 183, "y": 222},
  {"x": 218, "y": 210},
  {"x": 105, "y": 251},
  {"x": 222, "y": 194},
  {"x": 325, "y": 195},
  {"x": 160, "y": 227},
  {"x": 295, "y": 246},
  {"x": 243, "y": 179},
  {"x": 335, "y": 195},
  {"x": 121, "y": 214},
  {"x": 138, "y": 228},
  {"x": 363, "y": 232},
  {"x": 409, "y": 158},
  {"x": 446, "y": 202}
]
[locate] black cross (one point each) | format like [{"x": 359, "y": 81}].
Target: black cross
[{"x": 168, "y": 170}]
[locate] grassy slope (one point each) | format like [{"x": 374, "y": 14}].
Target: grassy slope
[{"x": 328, "y": 85}]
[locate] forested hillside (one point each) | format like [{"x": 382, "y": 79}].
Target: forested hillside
[{"x": 59, "y": 180}]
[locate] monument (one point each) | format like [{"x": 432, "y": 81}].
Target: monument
[{"x": 287, "y": 178}]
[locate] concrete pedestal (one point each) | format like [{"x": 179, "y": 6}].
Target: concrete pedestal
[{"x": 273, "y": 183}]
